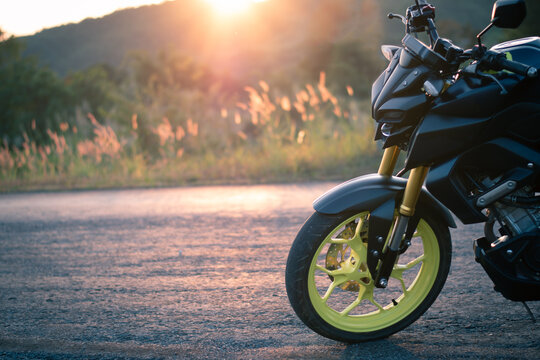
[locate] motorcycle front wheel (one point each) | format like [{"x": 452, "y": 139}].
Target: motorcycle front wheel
[{"x": 332, "y": 291}]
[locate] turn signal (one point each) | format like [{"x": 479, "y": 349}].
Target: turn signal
[
  {"x": 434, "y": 87},
  {"x": 388, "y": 51}
]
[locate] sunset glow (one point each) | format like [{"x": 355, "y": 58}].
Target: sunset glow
[
  {"x": 229, "y": 7},
  {"x": 25, "y": 17}
]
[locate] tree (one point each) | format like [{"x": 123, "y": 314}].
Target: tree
[
  {"x": 32, "y": 99},
  {"x": 96, "y": 88}
]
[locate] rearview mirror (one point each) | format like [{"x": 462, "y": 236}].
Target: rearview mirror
[{"x": 508, "y": 14}]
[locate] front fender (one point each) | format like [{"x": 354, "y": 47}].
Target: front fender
[{"x": 369, "y": 192}]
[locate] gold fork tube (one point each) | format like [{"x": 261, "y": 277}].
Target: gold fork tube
[
  {"x": 388, "y": 162},
  {"x": 412, "y": 190}
]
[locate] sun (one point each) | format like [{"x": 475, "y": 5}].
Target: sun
[{"x": 229, "y": 7}]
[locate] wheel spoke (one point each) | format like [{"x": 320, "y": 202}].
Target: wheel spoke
[
  {"x": 356, "y": 302},
  {"x": 415, "y": 262},
  {"x": 354, "y": 237},
  {"x": 324, "y": 270},
  {"x": 334, "y": 273},
  {"x": 329, "y": 291},
  {"x": 362, "y": 275},
  {"x": 403, "y": 286},
  {"x": 344, "y": 251},
  {"x": 360, "y": 249},
  {"x": 397, "y": 272},
  {"x": 358, "y": 230},
  {"x": 409, "y": 265},
  {"x": 372, "y": 300},
  {"x": 332, "y": 287}
]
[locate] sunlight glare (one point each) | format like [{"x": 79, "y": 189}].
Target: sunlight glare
[{"x": 229, "y": 7}]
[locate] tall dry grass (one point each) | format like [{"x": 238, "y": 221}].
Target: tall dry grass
[{"x": 310, "y": 134}]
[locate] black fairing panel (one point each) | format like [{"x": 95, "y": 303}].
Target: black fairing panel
[
  {"x": 473, "y": 111},
  {"x": 519, "y": 122},
  {"x": 378, "y": 85},
  {"x": 469, "y": 97},
  {"x": 466, "y": 117},
  {"x": 410, "y": 103},
  {"x": 396, "y": 87},
  {"x": 440, "y": 137},
  {"x": 371, "y": 191},
  {"x": 450, "y": 182}
]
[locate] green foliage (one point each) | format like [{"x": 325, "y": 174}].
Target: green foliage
[
  {"x": 355, "y": 64},
  {"x": 96, "y": 87},
  {"x": 32, "y": 98},
  {"x": 169, "y": 69}
]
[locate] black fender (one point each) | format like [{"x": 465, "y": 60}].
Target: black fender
[
  {"x": 380, "y": 195},
  {"x": 368, "y": 192}
]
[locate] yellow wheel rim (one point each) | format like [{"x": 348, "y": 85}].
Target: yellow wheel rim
[{"x": 341, "y": 288}]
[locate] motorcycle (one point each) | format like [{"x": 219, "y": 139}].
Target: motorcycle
[{"x": 376, "y": 252}]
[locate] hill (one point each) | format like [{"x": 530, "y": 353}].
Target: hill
[{"x": 277, "y": 36}]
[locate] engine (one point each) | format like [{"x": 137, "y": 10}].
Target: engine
[
  {"x": 512, "y": 257},
  {"x": 517, "y": 218}
]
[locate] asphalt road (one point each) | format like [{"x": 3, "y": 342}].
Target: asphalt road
[{"x": 199, "y": 273}]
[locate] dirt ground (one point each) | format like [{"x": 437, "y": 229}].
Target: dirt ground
[{"x": 198, "y": 273}]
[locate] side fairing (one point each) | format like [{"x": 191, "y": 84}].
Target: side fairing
[
  {"x": 467, "y": 116},
  {"x": 474, "y": 110},
  {"x": 454, "y": 182}
]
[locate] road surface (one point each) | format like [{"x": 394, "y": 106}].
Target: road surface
[{"x": 198, "y": 273}]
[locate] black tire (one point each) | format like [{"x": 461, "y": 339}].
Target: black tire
[{"x": 307, "y": 245}]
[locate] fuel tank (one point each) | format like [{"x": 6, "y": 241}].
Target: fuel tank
[{"x": 526, "y": 50}]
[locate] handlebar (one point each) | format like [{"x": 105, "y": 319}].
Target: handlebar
[
  {"x": 517, "y": 67},
  {"x": 498, "y": 61},
  {"x": 442, "y": 55}
]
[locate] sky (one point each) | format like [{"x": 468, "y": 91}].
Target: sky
[{"x": 25, "y": 17}]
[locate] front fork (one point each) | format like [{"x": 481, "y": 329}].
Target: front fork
[{"x": 406, "y": 212}]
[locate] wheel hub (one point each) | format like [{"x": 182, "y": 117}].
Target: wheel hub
[{"x": 338, "y": 257}]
